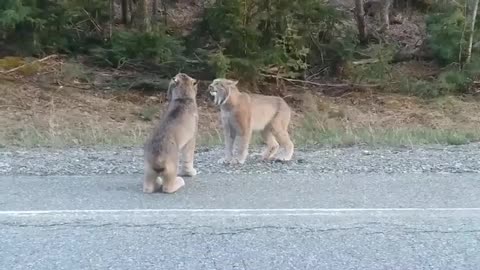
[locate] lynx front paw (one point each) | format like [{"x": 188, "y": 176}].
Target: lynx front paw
[
  {"x": 269, "y": 153},
  {"x": 189, "y": 172},
  {"x": 173, "y": 186},
  {"x": 236, "y": 161},
  {"x": 282, "y": 158},
  {"x": 267, "y": 157}
]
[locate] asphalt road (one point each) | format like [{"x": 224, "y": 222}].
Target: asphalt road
[{"x": 403, "y": 221}]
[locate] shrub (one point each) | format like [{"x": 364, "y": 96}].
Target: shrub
[
  {"x": 219, "y": 63},
  {"x": 446, "y": 33},
  {"x": 42, "y": 26},
  {"x": 275, "y": 35},
  {"x": 454, "y": 81},
  {"x": 132, "y": 46}
]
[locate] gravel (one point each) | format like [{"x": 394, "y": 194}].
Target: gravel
[{"x": 353, "y": 160}]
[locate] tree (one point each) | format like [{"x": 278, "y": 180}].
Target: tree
[
  {"x": 472, "y": 31},
  {"x": 360, "y": 17},
  {"x": 142, "y": 16},
  {"x": 125, "y": 11},
  {"x": 154, "y": 9}
]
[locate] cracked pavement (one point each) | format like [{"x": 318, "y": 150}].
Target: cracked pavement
[{"x": 242, "y": 221}]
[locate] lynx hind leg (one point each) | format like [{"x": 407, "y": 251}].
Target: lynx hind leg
[
  {"x": 170, "y": 181},
  {"x": 186, "y": 160},
  {"x": 280, "y": 131},
  {"x": 150, "y": 183},
  {"x": 271, "y": 144}
]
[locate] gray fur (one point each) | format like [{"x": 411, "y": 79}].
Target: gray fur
[{"x": 173, "y": 139}]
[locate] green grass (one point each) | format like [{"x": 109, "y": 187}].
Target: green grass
[
  {"x": 308, "y": 133},
  {"x": 30, "y": 136},
  {"x": 385, "y": 137}
]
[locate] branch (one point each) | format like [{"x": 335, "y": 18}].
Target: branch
[
  {"x": 366, "y": 61},
  {"x": 24, "y": 65},
  {"x": 92, "y": 20},
  {"x": 319, "y": 84}
]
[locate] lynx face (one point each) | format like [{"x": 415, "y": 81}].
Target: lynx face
[{"x": 219, "y": 89}]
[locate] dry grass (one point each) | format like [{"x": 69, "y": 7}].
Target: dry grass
[
  {"x": 58, "y": 117},
  {"x": 37, "y": 112}
]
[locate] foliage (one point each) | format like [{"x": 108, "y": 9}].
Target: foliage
[
  {"x": 446, "y": 33},
  {"x": 451, "y": 81},
  {"x": 418, "y": 87},
  {"x": 219, "y": 63},
  {"x": 46, "y": 25},
  {"x": 81, "y": 26},
  {"x": 275, "y": 35},
  {"x": 131, "y": 46},
  {"x": 378, "y": 72},
  {"x": 459, "y": 80},
  {"x": 454, "y": 81},
  {"x": 240, "y": 38}
]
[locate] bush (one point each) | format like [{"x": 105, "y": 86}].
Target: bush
[
  {"x": 276, "y": 35},
  {"x": 133, "y": 46},
  {"x": 420, "y": 88},
  {"x": 453, "y": 81},
  {"x": 219, "y": 64},
  {"x": 48, "y": 26},
  {"x": 446, "y": 33}
]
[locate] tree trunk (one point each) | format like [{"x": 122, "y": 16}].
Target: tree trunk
[
  {"x": 386, "y": 14},
  {"x": 472, "y": 31},
  {"x": 154, "y": 10},
  {"x": 360, "y": 18},
  {"x": 147, "y": 23},
  {"x": 125, "y": 11},
  {"x": 165, "y": 13},
  {"x": 142, "y": 16},
  {"x": 132, "y": 11},
  {"x": 112, "y": 19}
]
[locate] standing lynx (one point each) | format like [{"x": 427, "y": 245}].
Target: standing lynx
[
  {"x": 173, "y": 139},
  {"x": 243, "y": 113}
]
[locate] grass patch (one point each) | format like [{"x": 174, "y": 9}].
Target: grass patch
[
  {"x": 36, "y": 117},
  {"x": 384, "y": 137},
  {"x": 148, "y": 113},
  {"x": 302, "y": 136},
  {"x": 31, "y": 136}
]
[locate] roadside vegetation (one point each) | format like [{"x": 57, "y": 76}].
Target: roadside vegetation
[{"x": 94, "y": 72}]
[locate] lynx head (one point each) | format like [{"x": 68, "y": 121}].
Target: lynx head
[
  {"x": 182, "y": 86},
  {"x": 220, "y": 90}
]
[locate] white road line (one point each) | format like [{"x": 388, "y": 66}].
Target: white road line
[{"x": 264, "y": 211}]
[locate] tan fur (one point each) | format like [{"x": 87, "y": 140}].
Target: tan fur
[
  {"x": 243, "y": 113},
  {"x": 173, "y": 139}
]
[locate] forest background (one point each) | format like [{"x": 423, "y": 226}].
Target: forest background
[{"x": 94, "y": 72}]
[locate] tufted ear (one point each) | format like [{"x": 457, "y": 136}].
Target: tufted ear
[
  {"x": 234, "y": 82},
  {"x": 195, "y": 82}
]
